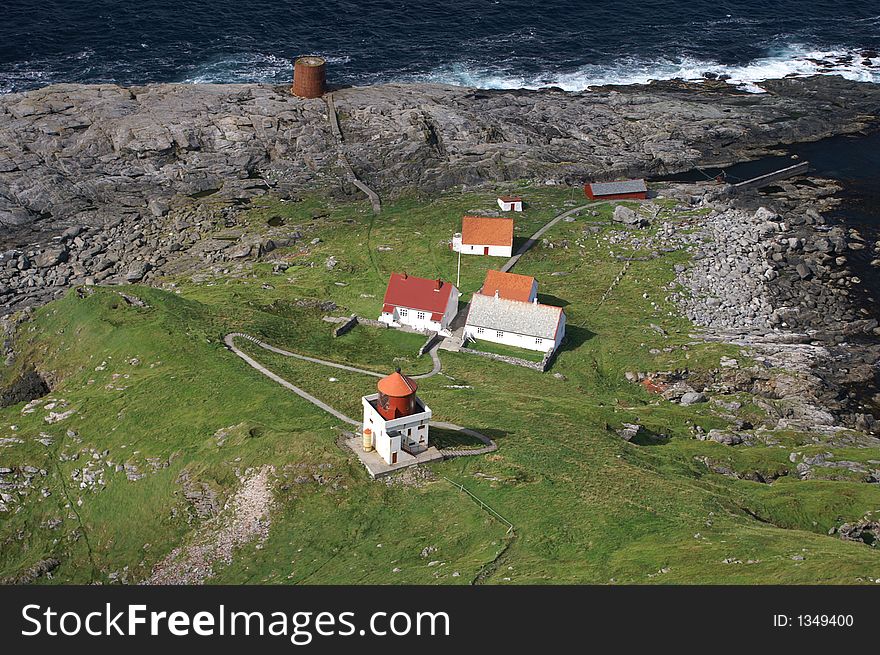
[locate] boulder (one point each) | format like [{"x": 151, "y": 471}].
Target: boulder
[
  {"x": 726, "y": 438},
  {"x": 627, "y": 216},
  {"x": 803, "y": 271},
  {"x": 71, "y": 232},
  {"x": 51, "y": 256},
  {"x": 629, "y": 431},
  {"x": 692, "y": 398},
  {"x": 137, "y": 271}
]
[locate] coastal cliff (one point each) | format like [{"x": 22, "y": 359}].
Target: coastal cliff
[{"x": 93, "y": 153}]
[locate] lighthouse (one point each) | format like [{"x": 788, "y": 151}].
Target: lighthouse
[{"x": 396, "y": 418}]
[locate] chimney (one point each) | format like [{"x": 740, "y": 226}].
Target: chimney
[
  {"x": 405, "y": 276},
  {"x": 439, "y": 284}
]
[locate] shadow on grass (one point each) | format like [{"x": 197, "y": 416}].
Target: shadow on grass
[
  {"x": 649, "y": 438},
  {"x": 519, "y": 242},
  {"x": 452, "y": 439},
  {"x": 575, "y": 337},
  {"x": 547, "y": 299}
]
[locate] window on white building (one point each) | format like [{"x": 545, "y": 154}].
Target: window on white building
[
  {"x": 404, "y": 312},
  {"x": 539, "y": 340},
  {"x": 421, "y": 316},
  {"x": 499, "y": 334},
  {"x": 480, "y": 330}
]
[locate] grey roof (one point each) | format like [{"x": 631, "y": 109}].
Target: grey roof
[
  {"x": 621, "y": 186},
  {"x": 530, "y": 319}
]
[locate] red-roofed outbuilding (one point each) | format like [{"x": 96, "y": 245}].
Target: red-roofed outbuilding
[{"x": 510, "y": 203}]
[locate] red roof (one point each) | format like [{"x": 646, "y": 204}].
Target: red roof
[
  {"x": 487, "y": 231},
  {"x": 508, "y": 285},
  {"x": 510, "y": 199},
  {"x": 398, "y": 385},
  {"x": 417, "y": 293}
]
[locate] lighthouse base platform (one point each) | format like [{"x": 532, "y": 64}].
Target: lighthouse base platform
[{"x": 377, "y": 467}]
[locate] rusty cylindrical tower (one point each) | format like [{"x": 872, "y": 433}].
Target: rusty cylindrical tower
[
  {"x": 309, "y": 77},
  {"x": 397, "y": 396}
]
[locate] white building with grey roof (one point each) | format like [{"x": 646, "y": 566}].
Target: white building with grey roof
[{"x": 528, "y": 325}]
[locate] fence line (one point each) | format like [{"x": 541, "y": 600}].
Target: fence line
[{"x": 483, "y": 505}]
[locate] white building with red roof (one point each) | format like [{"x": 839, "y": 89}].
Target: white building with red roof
[
  {"x": 423, "y": 304},
  {"x": 485, "y": 235}
]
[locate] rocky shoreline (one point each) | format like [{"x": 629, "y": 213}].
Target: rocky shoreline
[{"x": 774, "y": 278}]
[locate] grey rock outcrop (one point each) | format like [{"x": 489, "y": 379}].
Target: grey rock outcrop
[
  {"x": 692, "y": 398},
  {"x": 627, "y": 216}
]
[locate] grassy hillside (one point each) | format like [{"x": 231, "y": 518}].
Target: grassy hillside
[{"x": 155, "y": 391}]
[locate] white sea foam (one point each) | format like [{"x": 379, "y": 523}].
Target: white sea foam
[
  {"x": 797, "y": 60},
  {"x": 244, "y": 68}
]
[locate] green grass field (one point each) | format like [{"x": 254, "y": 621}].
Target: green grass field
[{"x": 153, "y": 386}]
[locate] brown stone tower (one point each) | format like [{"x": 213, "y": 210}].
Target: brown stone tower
[{"x": 309, "y": 77}]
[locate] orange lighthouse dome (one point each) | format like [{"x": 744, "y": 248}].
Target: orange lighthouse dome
[{"x": 397, "y": 396}]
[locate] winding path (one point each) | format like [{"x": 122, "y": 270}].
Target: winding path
[
  {"x": 230, "y": 338},
  {"x": 343, "y": 159},
  {"x": 532, "y": 240}
]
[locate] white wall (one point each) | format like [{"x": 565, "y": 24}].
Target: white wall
[
  {"x": 451, "y": 307},
  {"x": 560, "y": 333},
  {"x": 494, "y": 251},
  {"x": 411, "y": 319},
  {"x": 513, "y": 339},
  {"x": 383, "y": 444}
]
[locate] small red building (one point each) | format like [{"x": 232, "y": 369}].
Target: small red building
[{"x": 620, "y": 190}]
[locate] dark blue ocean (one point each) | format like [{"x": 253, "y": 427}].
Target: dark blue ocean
[{"x": 488, "y": 43}]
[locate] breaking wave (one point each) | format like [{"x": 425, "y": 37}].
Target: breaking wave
[
  {"x": 246, "y": 68},
  {"x": 793, "y": 61}
]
